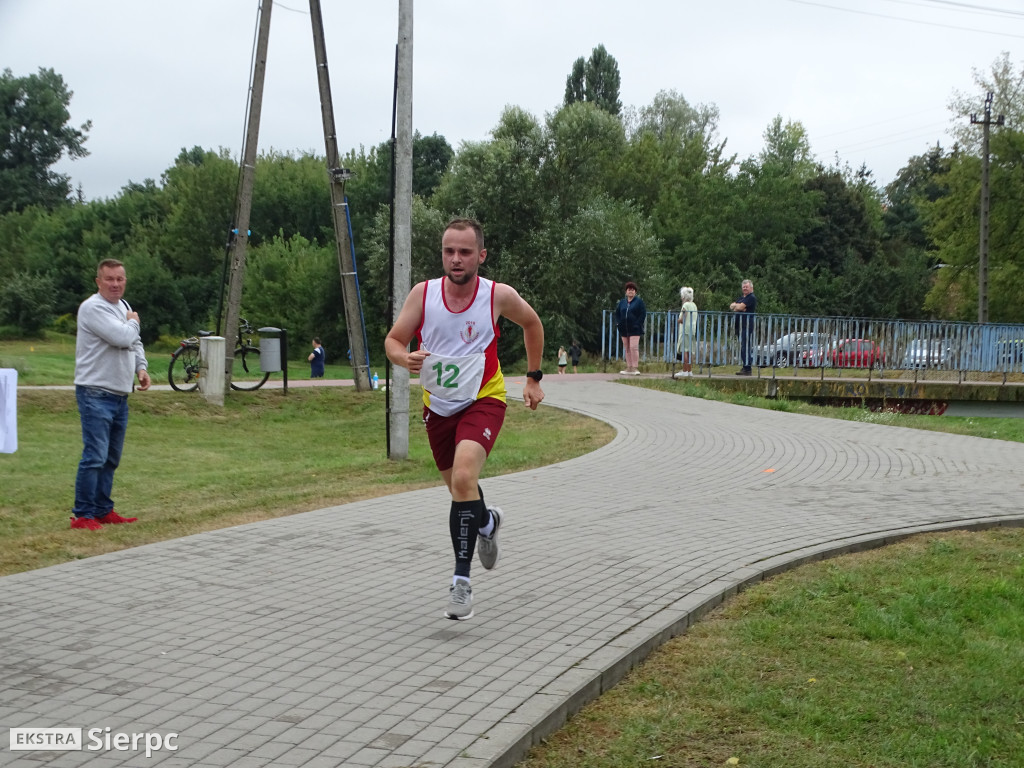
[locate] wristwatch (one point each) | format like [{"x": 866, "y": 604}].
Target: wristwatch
[{"x": 535, "y": 375}]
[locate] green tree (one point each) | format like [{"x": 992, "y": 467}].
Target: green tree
[
  {"x": 26, "y": 302},
  {"x": 431, "y": 157},
  {"x": 676, "y": 171},
  {"x": 287, "y": 281},
  {"x": 291, "y": 196},
  {"x": 200, "y": 189},
  {"x": 584, "y": 151},
  {"x": 498, "y": 181},
  {"x": 596, "y": 80},
  {"x": 34, "y": 135},
  {"x": 1006, "y": 84},
  {"x": 952, "y": 223}
]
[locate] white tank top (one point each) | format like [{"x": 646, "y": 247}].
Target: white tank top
[{"x": 463, "y": 362}]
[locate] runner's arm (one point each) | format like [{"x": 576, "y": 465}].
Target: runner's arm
[
  {"x": 508, "y": 303},
  {"x": 396, "y": 344}
]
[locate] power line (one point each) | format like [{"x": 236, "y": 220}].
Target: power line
[
  {"x": 898, "y": 138},
  {"x": 974, "y": 10},
  {"x": 875, "y": 124},
  {"x": 964, "y": 7},
  {"x": 910, "y": 21}
]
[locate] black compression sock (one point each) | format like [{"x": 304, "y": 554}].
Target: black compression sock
[
  {"x": 484, "y": 516},
  {"x": 462, "y": 524}
]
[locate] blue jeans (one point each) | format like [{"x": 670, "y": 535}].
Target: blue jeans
[{"x": 104, "y": 422}]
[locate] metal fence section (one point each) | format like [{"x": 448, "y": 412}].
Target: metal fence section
[{"x": 792, "y": 341}]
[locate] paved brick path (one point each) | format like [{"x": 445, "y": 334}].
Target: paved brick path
[{"x": 318, "y": 639}]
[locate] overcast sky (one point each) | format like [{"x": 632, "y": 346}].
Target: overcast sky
[{"x": 870, "y": 80}]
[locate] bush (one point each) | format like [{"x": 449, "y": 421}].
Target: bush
[
  {"x": 26, "y": 301},
  {"x": 66, "y": 324}
]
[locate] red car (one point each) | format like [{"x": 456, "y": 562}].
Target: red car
[{"x": 857, "y": 353}]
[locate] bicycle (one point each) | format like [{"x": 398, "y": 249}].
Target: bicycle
[{"x": 246, "y": 374}]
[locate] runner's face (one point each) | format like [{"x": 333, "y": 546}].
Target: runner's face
[{"x": 459, "y": 255}]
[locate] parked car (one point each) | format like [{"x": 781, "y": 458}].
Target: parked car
[
  {"x": 927, "y": 353},
  {"x": 794, "y": 348},
  {"x": 1010, "y": 353},
  {"x": 857, "y": 353}
]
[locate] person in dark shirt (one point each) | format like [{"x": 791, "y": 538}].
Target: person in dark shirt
[
  {"x": 745, "y": 306},
  {"x": 574, "y": 355},
  {"x": 316, "y": 360}
]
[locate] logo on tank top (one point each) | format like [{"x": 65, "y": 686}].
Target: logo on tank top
[{"x": 469, "y": 333}]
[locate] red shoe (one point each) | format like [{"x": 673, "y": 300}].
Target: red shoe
[
  {"x": 85, "y": 522},
  {"x": 112, "y": 518}
]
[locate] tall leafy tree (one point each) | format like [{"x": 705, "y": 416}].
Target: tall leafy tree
[
  {"x": 585, "y": 146},
  {"x": 498, "y": 181},
  {"x": 1006, "y": 84},
  {"x": 953, "y": 226},
  {"x": 676, "y": 171},
  {"x": 596, "y": 80},
  {"x": 34, "y": 135}
]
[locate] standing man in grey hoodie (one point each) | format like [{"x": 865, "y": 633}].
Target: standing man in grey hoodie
[{"x": 108, "y": 358}]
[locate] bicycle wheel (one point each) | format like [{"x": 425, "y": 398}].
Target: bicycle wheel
[
  {"x": 246, "y": 373},
  {"x": 183, "y": 372}
]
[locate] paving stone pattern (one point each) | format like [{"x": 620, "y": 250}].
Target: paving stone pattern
[{"x": 318, "y": 639}]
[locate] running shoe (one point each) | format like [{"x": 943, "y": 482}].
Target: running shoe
[
  {"x": 487, "y": 546},
  {"x": 460, "y": 601}
]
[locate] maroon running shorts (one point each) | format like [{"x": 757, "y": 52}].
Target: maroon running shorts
[{"x": 480, "y": 422}]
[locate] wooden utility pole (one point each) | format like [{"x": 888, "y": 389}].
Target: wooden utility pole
[
  {"x": 401, "y": 211},
  {"x": 986, "y": 123},
  {"x": 243, "y": 197},
  {"x": 339, "y": 210}
]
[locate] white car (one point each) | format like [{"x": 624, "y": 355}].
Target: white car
[{"x": 925, "y": 353}]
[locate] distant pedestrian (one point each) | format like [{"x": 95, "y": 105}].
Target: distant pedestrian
[
  {"x": 316, "y": 359},
  {"x": 574, "y": 354},
  {"x": 630, "y": 315},
  {"x": 108, "y": 358},
  {"x": 563, "y": 359},
  {"x": 745, "y": 306},
  {"x": 687, "y": 337}
]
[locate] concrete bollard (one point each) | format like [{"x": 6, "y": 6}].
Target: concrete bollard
[{"x": 211, "y": 369}]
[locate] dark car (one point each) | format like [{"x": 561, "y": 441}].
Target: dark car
[
  {"x": 802, "y": 348},
  {"x": 857, "y": 353}
]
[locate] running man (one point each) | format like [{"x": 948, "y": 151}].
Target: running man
[{"x": 455, "y": 320}]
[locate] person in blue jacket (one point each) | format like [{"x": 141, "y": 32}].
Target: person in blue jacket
[{"x": 630, "y": 315}]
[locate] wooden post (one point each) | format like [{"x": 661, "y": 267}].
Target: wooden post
[
  {"x": 339, "y": 210},
  {"x": 243, "y": 200}
]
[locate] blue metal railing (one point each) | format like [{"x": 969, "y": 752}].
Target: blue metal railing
[{"x": 794, "y": 341}]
